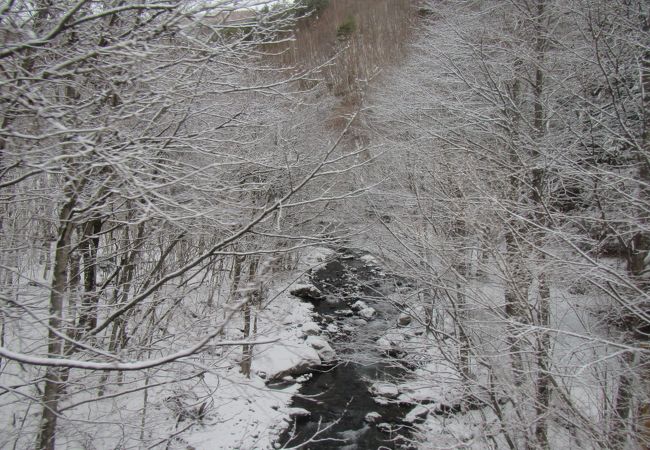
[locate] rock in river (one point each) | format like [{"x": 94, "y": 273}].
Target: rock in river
[
  {"x": 306, "y": 292},
  {"x": 279, "y": 361},
  {"x": 297, "y": 412},
  {"x": 417, "y": 414},
  {"x": 368, "y": 313},
  {"x": 385, "y": 390},
  {"x": 404, "y": 320},
  {"x": 359, "y": 305},
  {"x": 310, "y": 329},
  {"x": 332, "y": 329},
  {"x": 322, "y": 347},
  {"x": 372, "y": 417},
  {"x": 344, "y": 312}
]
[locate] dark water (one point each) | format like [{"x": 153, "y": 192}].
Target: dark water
[{"x": 338, "y": 397}]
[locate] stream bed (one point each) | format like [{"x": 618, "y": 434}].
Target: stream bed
[{"x": 338, "y": 397}]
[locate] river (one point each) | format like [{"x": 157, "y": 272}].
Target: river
[{"x": 338, "y": 398}]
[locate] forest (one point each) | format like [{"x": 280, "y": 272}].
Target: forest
[{"x": 320, "y": 224}]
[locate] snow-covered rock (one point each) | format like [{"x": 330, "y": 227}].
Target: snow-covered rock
[
  {"x": 406, "y": 399},
  {"x": 304, "y": 378},
  {"x": 385, "y": 390},
  {"x": 331, "y": 328},
  {"x": 389, "y": 348},
  {"x": 384, "y": 344},
  {"x": 368, "y": 313},
  {"x": 306, "y": 292},
  {"x": 344, "y": 312},
  {"x": 417, "y": 414},
  {"x": 326, "y": 318},
  {"x": 385, "y": 427},
  {"x": 368, "y": 259},
  {"x": 298, "y": 413},
  {"x": 310, "y": 329},
  {"x": 317, "y": 342},
  {"x": 404, "y": 320},
  {"x": 324, "y": 349},
  {"x": 372, "y": 417},
  {"x": 359, "y": 305},
  {"x": 320, "y": 254},
  {"x": 280, "y": 360}
]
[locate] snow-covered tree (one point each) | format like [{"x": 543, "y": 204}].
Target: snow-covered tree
[
  {"x": 144, "y": 153},
  {"x": 517, "y": 130}
]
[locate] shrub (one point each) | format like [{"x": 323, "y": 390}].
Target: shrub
[{"x": 346, "y": 28}]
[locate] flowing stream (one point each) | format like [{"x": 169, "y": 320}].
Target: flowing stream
[{"x": 338, "y": 398}]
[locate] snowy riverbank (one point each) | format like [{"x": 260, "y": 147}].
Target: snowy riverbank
[{"x": 248, "y": 413}]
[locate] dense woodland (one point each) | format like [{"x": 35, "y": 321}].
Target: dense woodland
[{"x": 165, "y": 166}]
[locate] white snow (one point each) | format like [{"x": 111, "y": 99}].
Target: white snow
[
  {"x": 310, "y": 329},
  {"x": 324, "y": 349},
  {"x": 384, "y": 344},
  {"x": 386, "y": 390},
  {"x": 278, "y": 360},
  {"x": 247, "y": 415},
  {"x": 332, "y": 328},
  {"x": 297, "y": 412},
  {"x": 359, "y": 305},
  {"x": 314, "y": 257},
  {"x": 372, "y": 417},
  {"x": 368, "y": 313},
  {"x": 417, "y": 413},
  {"x": 368, "y": 259}
]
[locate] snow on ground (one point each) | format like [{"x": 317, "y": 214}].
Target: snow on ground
[
  {"x": 578, "y": 356},
  {"x": 201, "y": 402},
  {"x": 244, "y": 413},
  {"x": 472, "y": 430},
  {"x": 369, "y": 259},
  {"x": 314, "y": 257},
  {"x": 248, "y": 414}
]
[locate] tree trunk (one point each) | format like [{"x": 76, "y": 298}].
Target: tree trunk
[
  {"x": 47, "y": 433},
  {"x": 89, "y": 246},
  {"x": 214, "y": 283},
  {"x": 246, "y": 348},
  {"x": 623, "y": 404},
  {"x": 516, "y": 303},
  {"x": 543, "y": 361},
  {"x": 127, "y": 263},
  {"x": 463, "y": 338},
  {"x": 254, "y": 292},
  {"x": 543, "y": 382}
]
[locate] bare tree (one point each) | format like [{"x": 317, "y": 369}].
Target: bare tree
[
  {"x": 494, "y": 141},
  {"x": 142, "y": 139}
]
